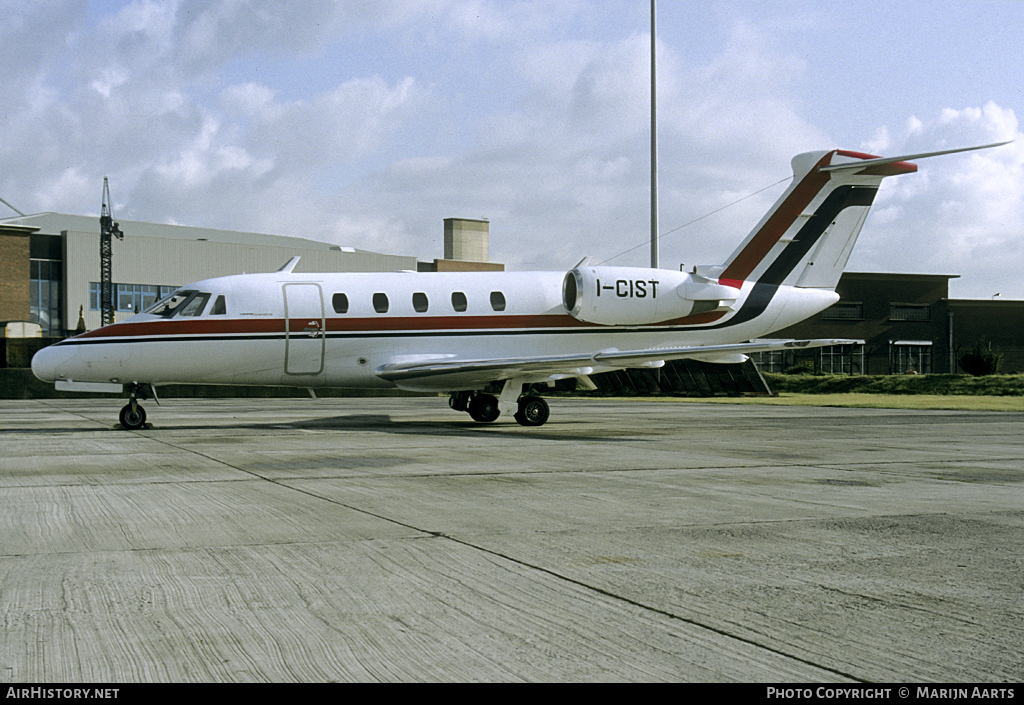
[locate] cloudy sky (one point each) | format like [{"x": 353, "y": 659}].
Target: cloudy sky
[{"x": 366, "y": 123}]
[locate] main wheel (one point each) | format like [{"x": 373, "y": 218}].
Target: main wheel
[
  {"x": 533, "y": 411},
  {"x": 484, "y": 408},
  {"x": 133, "y": 419}
]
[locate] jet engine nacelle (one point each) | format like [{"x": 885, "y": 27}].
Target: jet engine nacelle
[{"x": 630, "y": 296}]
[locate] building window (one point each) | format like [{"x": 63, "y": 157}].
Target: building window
[
  {"x": 45, "y": 277},
  {"x": 130, "y": 298},
  {"x": 909, "y": 312},
  {"x": 844, "y": 311},
  {"x": 770, "y": 361},
  {"x": 910, "y": 357},
  {"x": 419, "y": 302},
  {"x": 497, "y": 301},
  {"x": 459, "y": 302},
  {"x": 842, "y": 359},
  {"x": 380, "y": 303}
]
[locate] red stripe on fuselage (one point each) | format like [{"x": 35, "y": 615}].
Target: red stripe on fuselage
[{"x": 440, "y": 325}]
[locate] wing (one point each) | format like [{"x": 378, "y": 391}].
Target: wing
[{"x": 450, "y": 373}]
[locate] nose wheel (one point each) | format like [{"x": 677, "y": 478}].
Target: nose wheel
[{"x": 133, "y": 416}]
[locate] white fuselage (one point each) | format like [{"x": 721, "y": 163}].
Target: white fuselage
[{"x": 340, "y": 330}]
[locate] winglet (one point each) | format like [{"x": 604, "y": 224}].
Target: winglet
[{"x": 290, "y": 265}]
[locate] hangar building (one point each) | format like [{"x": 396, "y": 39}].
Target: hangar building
[
  {"x": 50, "y": 267},
  {"x": 904, "y": 323}
]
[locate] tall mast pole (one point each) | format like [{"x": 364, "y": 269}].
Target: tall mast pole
[
  {"x": 108, "y": 230},
  {"x": 654, "y": 141}
]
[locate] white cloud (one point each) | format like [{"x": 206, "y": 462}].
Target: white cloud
[
  {"x": 367, "y": 123},
  {"x": 210, "y": 33},
  {"x": 349, "y": 121},
  {"x": 960, "y": 214}
]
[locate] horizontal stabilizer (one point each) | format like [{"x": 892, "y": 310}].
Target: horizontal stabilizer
[{"x": 881, "y": 161}]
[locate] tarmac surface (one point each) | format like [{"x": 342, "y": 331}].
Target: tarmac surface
[{"x": 396, "y": 540}]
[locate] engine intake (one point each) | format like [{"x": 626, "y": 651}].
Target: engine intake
[{"x": 640, "y": 296}]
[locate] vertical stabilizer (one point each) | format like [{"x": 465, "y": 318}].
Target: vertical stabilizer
[{"x": 806, "y": 238}]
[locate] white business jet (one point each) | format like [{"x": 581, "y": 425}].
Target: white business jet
[{"x": 458, "y": 333}]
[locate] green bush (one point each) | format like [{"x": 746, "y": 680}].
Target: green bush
[
  {"x": 980, "y": 361},
  {"x": 804, "y": 368}
]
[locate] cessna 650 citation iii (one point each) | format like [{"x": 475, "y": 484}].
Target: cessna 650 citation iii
[{"x": 458, "y": 333}]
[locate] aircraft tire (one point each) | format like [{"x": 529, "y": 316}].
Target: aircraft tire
[
  {"x": 484, "y": 408},
  {"x": 533, "y": 411},
  {"x": 133, "y": 420}
]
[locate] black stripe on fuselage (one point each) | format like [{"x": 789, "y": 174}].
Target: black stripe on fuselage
[
  {"x": 766, "y": 286},
  {"x": 365, "y": 335}
]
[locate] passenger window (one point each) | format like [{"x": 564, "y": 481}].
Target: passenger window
[
  {"x": 497, "y": 301},
  {"x": 419, "y": 302},
  {"x": 380, "y": 303},
  {"x": 195, "y": 306},
  {"x": 459, "y": 301},
  {"x": 340, "y": 303},
  {"x": 220, "y": 307}
]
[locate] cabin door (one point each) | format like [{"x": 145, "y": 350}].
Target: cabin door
[{"x": 304, "y": 327}]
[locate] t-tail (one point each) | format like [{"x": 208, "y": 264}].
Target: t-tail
[{"x": 805, "y": 240}]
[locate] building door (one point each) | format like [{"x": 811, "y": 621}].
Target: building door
[{"x": 304, "y": 329}]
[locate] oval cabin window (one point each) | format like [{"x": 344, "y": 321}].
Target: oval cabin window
[
  {"x": 340, "y": 303},
  {"x": 497, "y": 301},
  {"x": 419, "y": 302},
  {"x": 380, "y": 303},
  {"x": 459, "y": 301}
]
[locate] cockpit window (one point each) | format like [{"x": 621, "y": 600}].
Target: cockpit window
[
  {"x": 170, "y": 305},
  {"x": 195, "y": 305},
  {"x": 181, "y": 303},
  {"x": 220, "y": 307}
]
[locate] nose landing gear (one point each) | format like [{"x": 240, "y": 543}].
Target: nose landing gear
[{"x": 133, "y": 416}]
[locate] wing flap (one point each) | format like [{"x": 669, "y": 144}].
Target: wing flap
[{"x": 442, "y": 373}]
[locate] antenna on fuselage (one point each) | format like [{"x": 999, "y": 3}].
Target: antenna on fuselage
[{"x": 289, "y": 266}]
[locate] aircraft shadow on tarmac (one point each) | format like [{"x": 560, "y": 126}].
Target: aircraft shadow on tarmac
[
  {"x": 381, "y": 423},
  {"x": 385, "y": 424}
]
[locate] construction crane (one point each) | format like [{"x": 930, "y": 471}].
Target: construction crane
[{"x": 108, "y": 230}]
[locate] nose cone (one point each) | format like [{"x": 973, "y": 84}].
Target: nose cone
[{"x": 47, "y": 363}]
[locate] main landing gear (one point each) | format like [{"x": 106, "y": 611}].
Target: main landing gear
[
  {"x": 133, "y": 416},
  {"x": 486, "y": 408}
]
